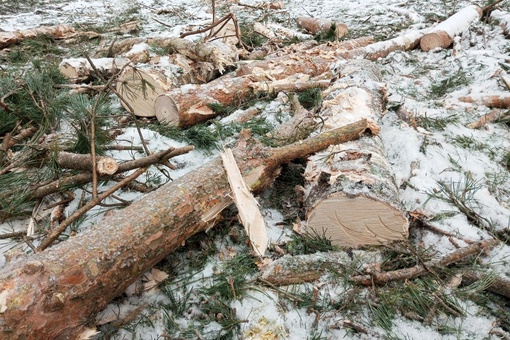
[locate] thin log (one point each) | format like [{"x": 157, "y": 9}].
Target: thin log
[
  {"x": 54, "y": 293},
  {"x": 490, "y": 117},
  {"x": 381, "y": 49},
  {"x": 104, "y": 165},
  {"x": 350, "y": 194},
  {"x": 441, "y": 36},
  {"x": 421, "y": 269},
  {"x": 495, "y": 283},
  {"x": 84, "y": 178},
  {"x": 57, "y": 32},
  {"x": 501, "y": 101}
]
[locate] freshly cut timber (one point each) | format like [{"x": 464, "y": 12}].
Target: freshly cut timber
[
  {"x": 79, "y": 69},
  {"x": 55, "y": 293},
  {"x": 501, "y": 101},
  {"x": 104, "y": 165},
  {"x": 140, "y": 85},
  {"x": 57, "y": 32},
  {"x": 442, "y": 35},
  {"x": 350, "y": 195},
  {"x": 318, "y": 25}
]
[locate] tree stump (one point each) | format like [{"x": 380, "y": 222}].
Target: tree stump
[{"x": 350, "y": 195}]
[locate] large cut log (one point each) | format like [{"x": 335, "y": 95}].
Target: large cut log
[
  {"x": 55, "y": 293},
  {"x": 350, "y": 196},
  {"x": 441, "y": 36},
  {"x": 140, "y": 85},
  {"x": 57, "y": 32}
]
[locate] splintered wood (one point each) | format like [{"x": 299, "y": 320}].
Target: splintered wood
[{"x": 246, "y": 204}]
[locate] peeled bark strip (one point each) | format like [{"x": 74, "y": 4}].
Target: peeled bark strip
[
  {"x": 501, "y": 101},
  {"x": 104, "y": 165},
  {"x": 350, "y": 196},
  {"x": 79, "y": 69},
  {"x": 53, "y": 294},
  {"x": 57, "y": 32},
  {"x": 442, "y": 35}
]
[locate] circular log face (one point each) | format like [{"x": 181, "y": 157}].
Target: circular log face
[
  {"x": 140, "y": 88},
  {"x": 167, "y": 111},
  {"x": 358, "y": 221}
]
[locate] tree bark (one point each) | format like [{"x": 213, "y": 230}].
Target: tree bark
[
  {"x": 442, "y": 35},
  {"x": 104, "y": 165},
  {"x": 57, "y": 32},
  {"x": 55, "y": 293},
  {"x": 350, "y": 196}
]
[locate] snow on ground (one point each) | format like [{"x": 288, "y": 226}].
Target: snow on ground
[{"x": 422, "y": 157}]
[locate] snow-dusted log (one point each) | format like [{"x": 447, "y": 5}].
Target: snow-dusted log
[
  {"x": 54, "y": 294},
  {"x": 501, "y": 101},
  {"x": 504, "y": 20},
  {"x": 381, "y": 49},
  {"x": 57, "y": 32},
  {"x": 318, "y": 25},
  {"x": 441, "y": 36},
  {"x": 79, "y": 69},
  {"x": 350, "y": 195}
]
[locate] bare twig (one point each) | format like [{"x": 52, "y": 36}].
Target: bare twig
[{"x": 92, "y": 203}]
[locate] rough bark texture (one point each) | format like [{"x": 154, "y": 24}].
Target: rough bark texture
[
  {"x": 57, "y": 32},
  {"x": 104, "y": 165},
  {"x": 54, "y": 294},
  {"x": 442, "y": 35},
  {"x": 350, "y": 195}
]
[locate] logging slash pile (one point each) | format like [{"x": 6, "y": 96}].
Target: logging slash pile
[{"x": 262, "y": 173}]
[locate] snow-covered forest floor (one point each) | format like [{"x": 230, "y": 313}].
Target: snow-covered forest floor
[{"x": 454, "y": 177}]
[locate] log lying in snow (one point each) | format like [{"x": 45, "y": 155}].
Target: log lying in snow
[
  {"x": 57, "y": 32},
  {"x": 79, "y": 69},
  {"x": 53, "y": 294},
  {"x": 317, "y": 25},
  {"x": 501, "y": 101},
  {"x": 350, "y": 195},
  {"x": 140, "y": 85},
  {"x": 442, "y": 35},
  {"x": 381, "y": 49}
]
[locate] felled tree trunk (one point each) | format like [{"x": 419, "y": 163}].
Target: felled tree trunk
[
  {"x": 317, "y": 25},
  {"x": 381, "y": 49},
  {"x": 351, "y": 196},
  {"x": 442, "y": 35},
  {"x": 54, "y": 294},
  {"x": 57, "y": 32},
  {"x": 79, "y": 69}
]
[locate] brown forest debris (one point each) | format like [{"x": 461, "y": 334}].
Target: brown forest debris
[
  {"x": 501, "y": 101},
  {"x": 104, "y": 165},
  {"x": 54, "y": 293},
  {"x": 418, "y": 270}
]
